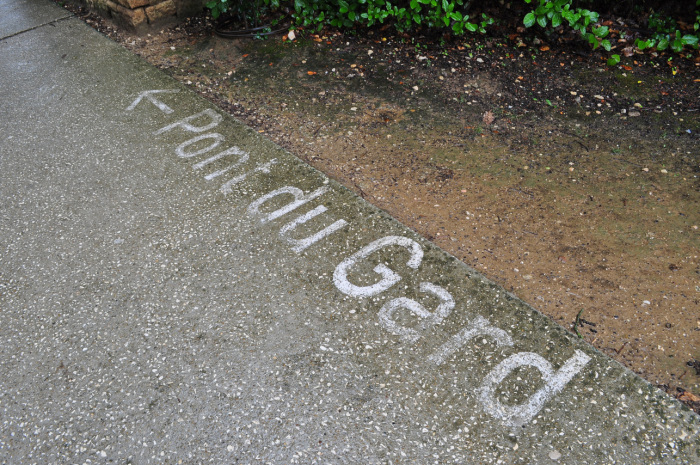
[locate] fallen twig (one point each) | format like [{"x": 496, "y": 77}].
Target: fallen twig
[
  {"x": 576, "y": 323},
  {"x": 620, "y": 349}
]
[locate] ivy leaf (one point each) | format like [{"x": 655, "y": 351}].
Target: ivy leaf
[
  {"x": 602, "y": 31},
  {"x": 542, "y": 21},
  {"x": 677, "y": 45},
  {"x": 689, "y": 39},
  {"x": 529, "y": 19},
  {"x": 556, "y": 20},
  {"x": 613, "y": 60}
]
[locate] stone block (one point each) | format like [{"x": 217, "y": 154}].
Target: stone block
[
  {"x": 143, "y": 16},
  {"x": 161, "y": 12},
  {"x": 132, "y": 19},
  {"x": 133, "y": 4}
]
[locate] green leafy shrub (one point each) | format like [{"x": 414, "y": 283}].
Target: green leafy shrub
[
  {"x": 404, "y": 14},
  {"x": 455, "y": 16},
  {"x": 667, "y": 35},
  {"x": 558, "y": 12},
  {"x": 553, "y": 13}
]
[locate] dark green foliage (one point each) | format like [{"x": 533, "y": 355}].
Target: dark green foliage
[
  {"x": 457, "y": 17},
  {"x": 666, "y": 34},
  {"x": 405, "y": 15},
  {"x": 555, "y": 13},
  {"x": 247, "y": 11}
]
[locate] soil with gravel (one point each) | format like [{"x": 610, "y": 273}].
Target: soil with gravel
[{"x": 574, "y": 185}]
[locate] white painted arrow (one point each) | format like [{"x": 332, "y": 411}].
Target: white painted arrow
[{"x": 148, "y": 95}]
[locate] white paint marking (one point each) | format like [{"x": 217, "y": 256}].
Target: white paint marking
[
  {"x": 512, "y": 416},
  {"x": 299, "y": 199},
  {"x": 180, "y": 150},
  {"x": 301, "y": 244},
  {"x": 242, "y": 158},
  {"x": 148, "y": 95},
  {"x": 518, "y": 415},
  {"x": 227, "y": 187},
  {"x": 411, "y": 335},
  {"x": 480, "y": 326},
  {"x": 214, "y": 120},
  {"x": 389, "y": 277}
]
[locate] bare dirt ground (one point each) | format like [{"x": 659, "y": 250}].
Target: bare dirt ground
[{"x": 574, "y": 185}]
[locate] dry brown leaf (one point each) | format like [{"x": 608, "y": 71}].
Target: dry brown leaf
[
  {"x": 488, "y": 118},
  {"x": 628, "y": 51},
  {"x": 689, "y": 397}
]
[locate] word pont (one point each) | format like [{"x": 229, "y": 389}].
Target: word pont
[{"x": 203, "y": 144}]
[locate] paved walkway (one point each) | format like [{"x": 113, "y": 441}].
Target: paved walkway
[{"x": 174, "y": 288}]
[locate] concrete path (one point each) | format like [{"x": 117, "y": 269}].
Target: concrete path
[{"x": 174, "y": 288}]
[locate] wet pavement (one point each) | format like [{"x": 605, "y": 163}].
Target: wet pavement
[{"x": 175, "y": 288}]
